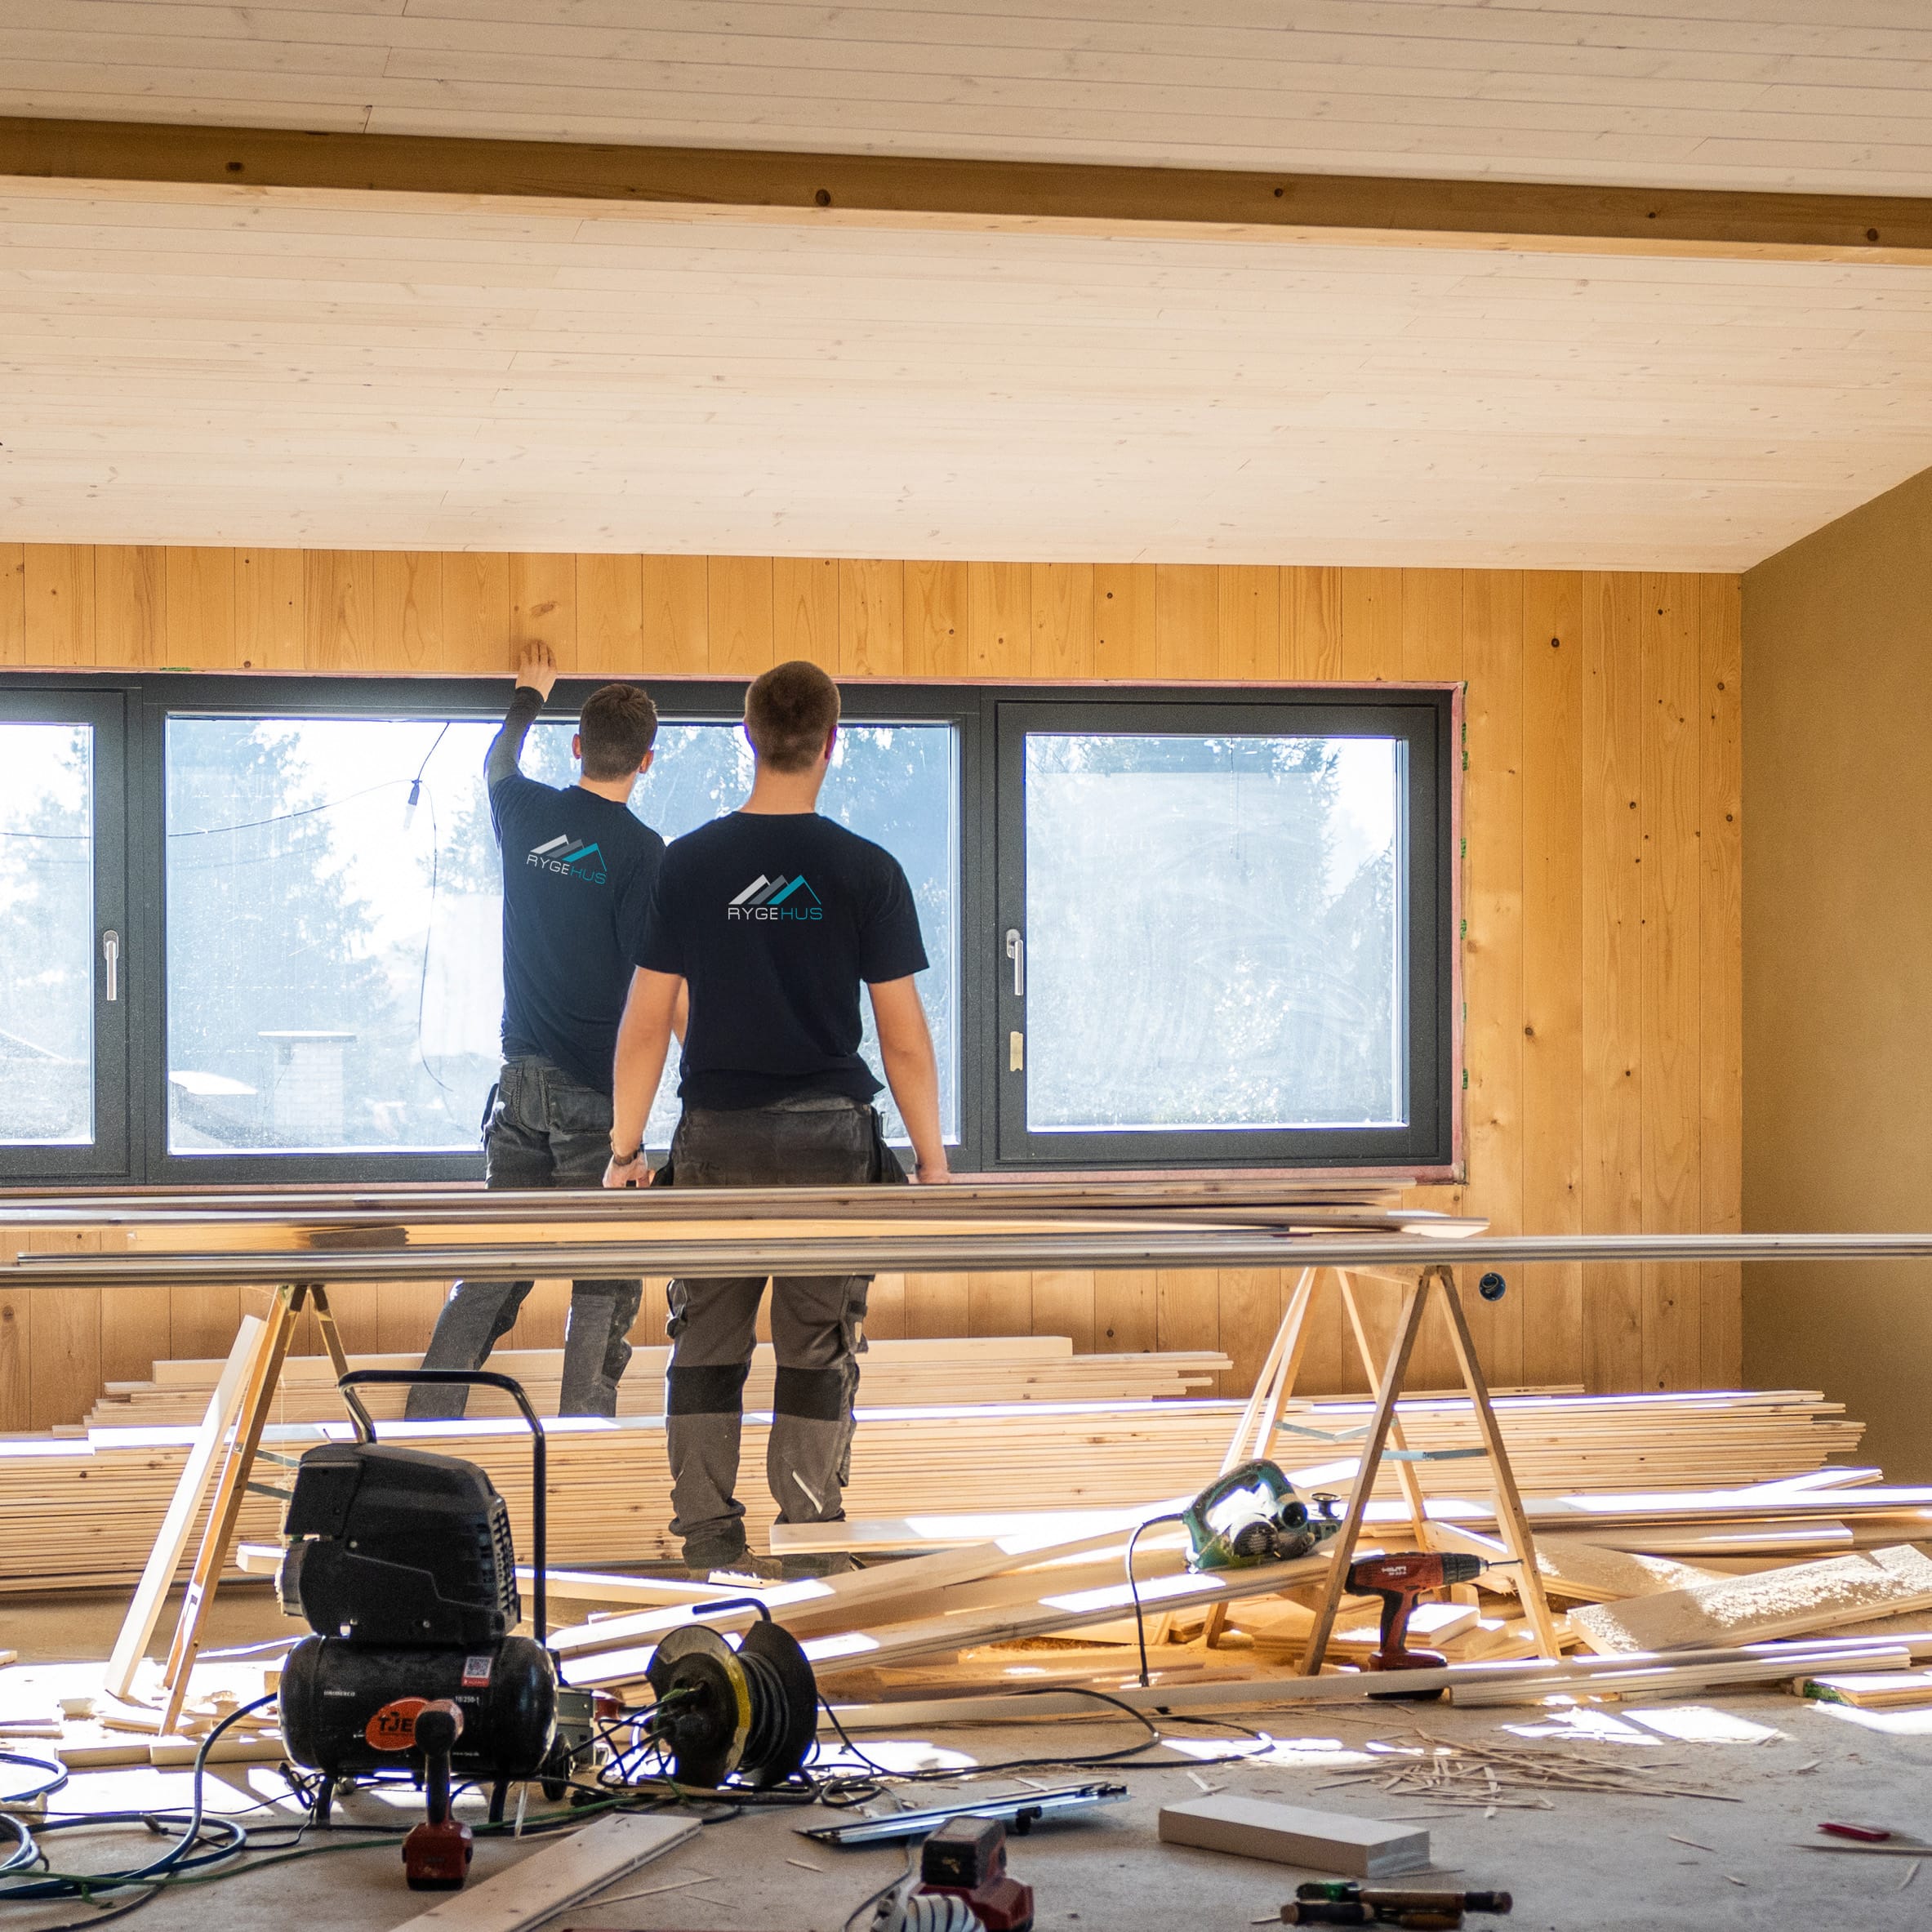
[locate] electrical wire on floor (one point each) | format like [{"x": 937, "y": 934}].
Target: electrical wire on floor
[
  {"x": 1133, "y": 1589},
  {"x": 842, "y": 1793}
]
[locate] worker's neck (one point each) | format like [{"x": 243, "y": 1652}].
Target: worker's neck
[
  {"x": 782, "y": 795},
  {"x": 617, "y": 791}
]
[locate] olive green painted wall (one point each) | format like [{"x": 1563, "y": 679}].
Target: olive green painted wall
[{"x": 1838, "y": 959}]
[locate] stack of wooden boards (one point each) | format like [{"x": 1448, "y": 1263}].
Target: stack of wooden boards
[
  {"x": 1045, "y": 1428},
  {"x": 903, "y": 1374}
]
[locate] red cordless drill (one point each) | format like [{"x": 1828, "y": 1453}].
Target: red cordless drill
[{"x": 1399, "y": 1577}]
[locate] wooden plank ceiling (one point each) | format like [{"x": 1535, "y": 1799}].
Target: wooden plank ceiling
[
  {"x": 334, "y": 369},
  {"x": 1740, "y": 93}
]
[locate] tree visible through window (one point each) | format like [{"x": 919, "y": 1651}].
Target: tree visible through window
[{"x": 47, "y": 934}]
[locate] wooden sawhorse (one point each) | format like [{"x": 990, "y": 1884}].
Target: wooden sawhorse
[{"x": 1254, "y": 1437}]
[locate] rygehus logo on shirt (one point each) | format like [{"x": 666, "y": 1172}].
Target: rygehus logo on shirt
[
  {"x": 563, "y": 854},
  {"x": 773, "y": 899}
]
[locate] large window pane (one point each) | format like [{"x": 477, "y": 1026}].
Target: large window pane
[
  {"x": 334, "y": 979},
  {"x": 335, "y": 963},
  {"x": 47, "y": 934},
  {"x": 1214, "y": 932}
]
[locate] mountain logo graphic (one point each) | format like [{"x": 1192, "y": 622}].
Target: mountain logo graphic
[
  {"x": 563, "y": 854},
  {"x": 781, "y": 898}
]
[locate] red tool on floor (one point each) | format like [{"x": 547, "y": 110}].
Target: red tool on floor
[
  {"x": 1399, "y": 1577},
  {"x": 966, "y": 1859},
  {"x": 436, "y": 1855}
]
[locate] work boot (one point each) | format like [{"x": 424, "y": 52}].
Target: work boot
[{"x": 829, "y": 1563}]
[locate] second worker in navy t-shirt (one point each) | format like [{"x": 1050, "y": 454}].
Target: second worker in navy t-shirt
[
  {"x": 578, "y": 866},
  {"x": 773, "y": 918}
]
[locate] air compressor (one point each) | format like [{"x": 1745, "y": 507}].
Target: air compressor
[{"x": 401, "y": 1562}]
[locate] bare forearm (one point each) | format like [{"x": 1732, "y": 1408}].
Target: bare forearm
[
  {"x": 643, "y": 1043},
  {"x": 912, "y": 1072}
]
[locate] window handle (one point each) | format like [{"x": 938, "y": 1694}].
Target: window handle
[
  {"x": 1015, "y": 951},
  {"x": 110, "y": 951}
]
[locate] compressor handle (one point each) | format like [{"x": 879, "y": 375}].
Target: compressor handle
[{"x": 365, "y": 1427}]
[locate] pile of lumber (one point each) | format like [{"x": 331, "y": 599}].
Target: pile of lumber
[
  {"x": 83, "y": 1510},
  {"x": 897, "y": 1374}
]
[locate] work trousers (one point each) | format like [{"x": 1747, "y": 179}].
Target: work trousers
[
  {"x": 817, "y": 1327},
  {"x": 545, "y": 1130}
]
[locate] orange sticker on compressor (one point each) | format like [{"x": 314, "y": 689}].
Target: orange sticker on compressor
[{"x": 393, "y": 1728}]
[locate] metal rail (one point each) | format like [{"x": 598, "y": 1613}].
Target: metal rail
[
  {"x": 1269, "y": 1198},
  {"x": 877, "y": 1250}
]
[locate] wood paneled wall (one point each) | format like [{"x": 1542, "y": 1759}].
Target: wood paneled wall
[{"x": 1602, "y": 886}]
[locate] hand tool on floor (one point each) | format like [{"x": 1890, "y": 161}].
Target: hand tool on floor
[
  {"x": 1350, "y": 1912},
  {"x": 1403, "y": 1896},
  {"x": 437, "y": 1853},
  {"x": 965, "y": 1859},
  {"x": 1399, "y": 1577},
  {"x": 1018, "y": 1811},
  {"x": 1253, "y": 1516},
  {"x": 1864, "y": 1834}
]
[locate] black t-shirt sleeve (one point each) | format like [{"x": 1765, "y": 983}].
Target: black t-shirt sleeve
[
  {"x": 660, "y": 945},
  {"x": 634, "y": 901},
  {"x": 890, "y": 946}
]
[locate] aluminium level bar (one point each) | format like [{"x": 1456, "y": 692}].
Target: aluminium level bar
[
  {"x": 882, "y": 1249},
  {"x": 1270, "y": 1197}
]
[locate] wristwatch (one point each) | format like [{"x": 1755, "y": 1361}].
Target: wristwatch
[{"x": 619, "y": 1160}]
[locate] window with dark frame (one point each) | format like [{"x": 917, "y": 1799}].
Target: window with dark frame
[{"x": 1183, "y": 927}]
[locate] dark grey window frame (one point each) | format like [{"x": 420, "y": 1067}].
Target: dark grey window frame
[{"x": 131, "y": 852}]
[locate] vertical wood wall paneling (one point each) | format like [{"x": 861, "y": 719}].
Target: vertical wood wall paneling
[
  {"x": 1719, "y": 968},
  {"x": 339, "y": 611},
  {"x": 1062, "y": 599},
  {"x": 269, "y": 590},
  {"x": 1613, "y": 975},
  {"x": 677, "y": 593},
  {"x": 130, "y": 603},
  {"x": 59, "y": 605},
  {"x": 1669, "y": 872},
  {"x": 935, "y": 620},
  {"x": 1553, "y": 661},
  {"x": 741, "y": 617},
  {"x": 16, "y": 1314},
  {"x": 1492, "y": 652},
  {"x": 13, "y": 603},
  {"x": 477, "y": 637},
  {"x": 805, "y": 610},
  {"x": 198, "y": 632},
  {"x": 409, "y": 623},
  {"x": 610, "y": 605},
  {"x": 1602, "y": 878},
  {"x": 871, "y": 618}
]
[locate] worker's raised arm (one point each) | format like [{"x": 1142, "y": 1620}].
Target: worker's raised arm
[
  {"x": 654, "y": 1004},
  {"x": 911, "y": 1070},
  {"x": 536, "y": 673}
]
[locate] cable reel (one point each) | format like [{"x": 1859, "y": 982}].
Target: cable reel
[{"x": 749, "y": 1713}]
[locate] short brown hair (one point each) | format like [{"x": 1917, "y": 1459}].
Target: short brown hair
[
  {"x": 790, "y": 712},
  {"x": 618, "y": 725}
]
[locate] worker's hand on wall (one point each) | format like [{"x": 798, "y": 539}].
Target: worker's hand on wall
[
  {"x": 536, "y": 666},
  {"x": 635, "y": 1172}
]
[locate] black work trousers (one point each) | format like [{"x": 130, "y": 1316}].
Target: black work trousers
[
  {"x": 817, "y": 1327},
  {"x": 545, "y": 1130}
]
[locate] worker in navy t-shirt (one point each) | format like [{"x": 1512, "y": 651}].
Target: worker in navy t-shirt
[
  {"x": 771, "y": 919},
  {"x": 578, "y": 866}
]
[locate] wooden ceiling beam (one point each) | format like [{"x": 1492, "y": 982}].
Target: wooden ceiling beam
[{"x": 892, "y": 190}]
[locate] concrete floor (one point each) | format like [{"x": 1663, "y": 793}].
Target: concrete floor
[{"x": 1591, "y": 1861}]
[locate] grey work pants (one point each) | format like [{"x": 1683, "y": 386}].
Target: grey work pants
[
  {"x": 817, "y": 1328},
  {"x": 545, "y": 1130}
]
